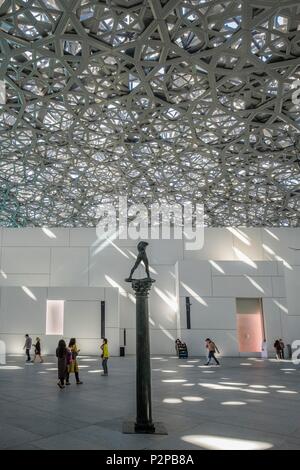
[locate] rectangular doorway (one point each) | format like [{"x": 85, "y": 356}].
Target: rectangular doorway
[{"x": 250, "y": 325}]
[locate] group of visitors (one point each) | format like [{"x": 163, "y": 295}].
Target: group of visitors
[
  {"x": 37, "y": 349},
  {"x": 212, "y": 349},
  {"x": 66, "y": 358},
  {"x": 67, "y": 362},
  {"x": 279, "y": 348},
  {"x": 179, "y": 344},
  {"x": 210, "y": 346}
]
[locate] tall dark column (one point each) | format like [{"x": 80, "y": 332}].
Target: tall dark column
[{"x": 143, "y": 422}]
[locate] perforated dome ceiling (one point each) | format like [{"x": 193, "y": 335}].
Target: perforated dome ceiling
[{"x": 161, "y": 100}]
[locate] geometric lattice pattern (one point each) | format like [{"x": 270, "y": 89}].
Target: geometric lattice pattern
[{"x": 162, "y": 100}]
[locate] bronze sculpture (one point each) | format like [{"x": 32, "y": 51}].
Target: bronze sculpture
[{"x": 142, "y": 256}]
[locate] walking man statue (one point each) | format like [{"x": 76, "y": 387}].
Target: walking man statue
[{"x": 140, "y": 257}]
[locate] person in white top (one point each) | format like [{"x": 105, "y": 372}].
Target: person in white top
[{"x": 264, "y": 349}]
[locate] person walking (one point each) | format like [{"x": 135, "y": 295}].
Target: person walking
[
  {"x": 37, "y": 350},
  {"x": 264, "y": 349},
  {"x": 61, "y": 354},
  {"x": 212, "y": 348},
  {"x": 27, "y": 347},
  {"x": 73, "y": 363},
  {"x": 104, "y": 356},
  {"x": 282, "y": 346},
  {"x": 277, "y": 349}
]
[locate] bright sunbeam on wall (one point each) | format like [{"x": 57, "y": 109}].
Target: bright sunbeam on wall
[
  {"x": 268, "y": 249},
  {"x": 255, "y": 284},
  {"x": 115, "y": 284},
  {"x": 131, "y": 297},
  {"x": 48, "y": 232},
  {"x": 277, "y": 257},
  {"x": 240, "y": 235},
  {"x": 166, "y": 332},
  {"x": 279, "y": 305},
  {"x": 102, "y": 243},
  {"x": 194, "y": 294},
  {"x": 117, "y": 248},
  {"x": 271, "y": 234},
  {"x": 169, "y": 301},
  {"x": 217, "y": 266},
  {"x": 29, "y": 293},
  {"x": 242, "y": 257},
  {"x": 284, "y": 262}
]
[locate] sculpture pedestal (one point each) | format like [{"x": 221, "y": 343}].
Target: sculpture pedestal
[{"x": 143, "y": 423}]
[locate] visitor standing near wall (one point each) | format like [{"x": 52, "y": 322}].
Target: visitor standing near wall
[
  {"x": 27, "y": 347},
  {"x": 282, "y": 346},
  {"x": 212, "y": 349},
  {"x": 264, "y": 349},
  {"x": 177, "y": 344},
  {"x": 277, "y": 349},
  {"x": 37, "y": 350},
  {"x": 61, "y": 354},
  {"x": 73, "y": 363},
  {"x": 104, "y": 356}
]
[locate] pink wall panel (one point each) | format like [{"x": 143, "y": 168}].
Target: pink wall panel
[{"x": 249, "y": 329}]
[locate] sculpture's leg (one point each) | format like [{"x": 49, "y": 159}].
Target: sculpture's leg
[
  {"x": 146, "y": 263},
  {"x": 138, "y": 260}
]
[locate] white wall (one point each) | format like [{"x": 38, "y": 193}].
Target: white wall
[
  {"x": 213, "y": 289},
  {"x": 23, "y": 310},
  {"x": 74, "y": 258}
]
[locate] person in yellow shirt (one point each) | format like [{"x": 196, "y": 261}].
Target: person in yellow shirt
[
  {"x": 72, "y": 362},
  {"x": 104, "y": 356}
]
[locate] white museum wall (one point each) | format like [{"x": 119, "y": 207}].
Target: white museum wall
[
  {"x": 23, "y": 310},
  {"x": 233, "y": 263},
  {"x": 213, "y": 289}
]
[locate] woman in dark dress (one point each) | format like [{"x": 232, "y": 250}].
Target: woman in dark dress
[
  {"x": 37, "y": 350},
  {"x": 61, "y": 354}
]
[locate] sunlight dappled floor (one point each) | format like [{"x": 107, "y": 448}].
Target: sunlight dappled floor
[{"x": 233, "y": 406}]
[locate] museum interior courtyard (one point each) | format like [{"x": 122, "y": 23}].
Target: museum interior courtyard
[{"x": 149, "y": 225}]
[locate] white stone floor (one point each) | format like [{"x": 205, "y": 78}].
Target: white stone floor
[{"x": 246, "y": 403}]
